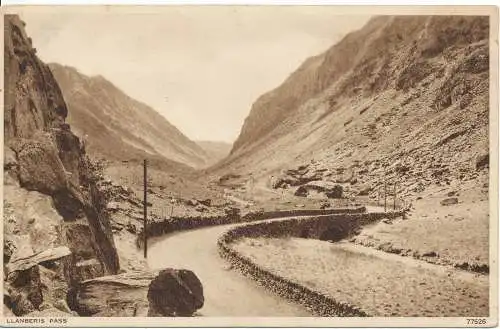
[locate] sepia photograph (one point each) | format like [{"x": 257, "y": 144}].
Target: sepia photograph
[{"x": 287, "y": 165}]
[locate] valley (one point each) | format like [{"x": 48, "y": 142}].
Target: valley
[{"x": 358, "y": 187}]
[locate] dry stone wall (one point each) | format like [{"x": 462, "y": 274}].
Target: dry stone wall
[
  {"x": 175, "y": 224},
  {"x": 315, "y": 227}
]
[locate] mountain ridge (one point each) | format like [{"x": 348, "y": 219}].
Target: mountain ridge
[
  {"x": 135, "y": 129},
  {"x": 403, "y": 60}
]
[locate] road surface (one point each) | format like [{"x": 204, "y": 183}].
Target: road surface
[{"x": 227, "y": 292}]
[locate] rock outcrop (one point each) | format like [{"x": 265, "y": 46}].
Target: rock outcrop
[
  {"x": 54, "y": 214},
  {"x": 170, "y": 292},
  {"x": 115, "y": 295}
]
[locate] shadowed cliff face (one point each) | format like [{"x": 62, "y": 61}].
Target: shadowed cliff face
[
  {"x": 50, "y": 192},
  {"x": 387, "y": 53}
]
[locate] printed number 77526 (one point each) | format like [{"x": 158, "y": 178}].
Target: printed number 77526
[{"x": 476, "y": 321}]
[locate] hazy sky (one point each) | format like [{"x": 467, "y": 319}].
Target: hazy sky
[{"x": 201, "y": 67}]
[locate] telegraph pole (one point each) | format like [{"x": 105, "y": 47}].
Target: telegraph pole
[
  {"x": 395, "y": 194},
  {"x": 145, "y": 209},
  {"x": 385, "y": 193}
]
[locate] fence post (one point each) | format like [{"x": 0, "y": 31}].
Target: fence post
[{"x": 145, "y": 209}]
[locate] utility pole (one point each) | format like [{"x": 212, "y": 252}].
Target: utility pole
[
  {"x": 378, "y": 195},
  {"x": 145, "y": 209},
  {"x": 395, "y": 194},
  {"x": 385, "y": 193}
]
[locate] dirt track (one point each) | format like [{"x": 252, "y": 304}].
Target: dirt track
[{"x": 227, "y": 293}]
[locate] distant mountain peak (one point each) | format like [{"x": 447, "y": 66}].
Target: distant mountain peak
[{"x": 119, "y": 126}]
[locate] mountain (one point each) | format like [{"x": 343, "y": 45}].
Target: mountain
[
  {"x": 216, "y": 151},
  {"x": 402, "y": 89},
  {"x": 119, "y": 127}
]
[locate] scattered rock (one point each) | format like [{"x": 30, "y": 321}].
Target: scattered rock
[
  {"x": 62, "y": 305},
  {"x": 9, "y": 159},
  {"x": 232, "y": 212},
  {"x": 482, "y": 161},
  {"x": 131, "y": 228},
  {"x": 387, "y": 221},
  {"x": 201, "y": 208},
  {"x": 24, "y": 289},
  {"x": 87, "y": 269},
  {"x": 191, "y": 203},
  {"x": 301, "y": 191},
  {"x": 8, "y": 248},
  {"x": 331, "y": 190},
  {"x": 206, "y": 202},
  {"x": 175, "y": 293},
  {"x": 22, "y": 264},
  {"x": 324, "y": 205},
  {"x": 50, "y": 313},
  {"x": 449, "y": 201},
  {"x": 365, "y": 191},
  {"x": 113, "y": 206}
]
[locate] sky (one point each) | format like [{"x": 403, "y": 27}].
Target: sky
[{"x": 201, "y": 67}]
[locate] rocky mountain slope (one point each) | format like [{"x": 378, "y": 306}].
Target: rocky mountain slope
[
  {"x": 403, "y": 95},
  {"x": 399, "y": 108},
  {"x": 119, "y": 127},
  {"x": 56, "y": 228}
]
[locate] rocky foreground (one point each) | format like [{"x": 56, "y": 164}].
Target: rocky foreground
[{"x": 60, "y": 256}]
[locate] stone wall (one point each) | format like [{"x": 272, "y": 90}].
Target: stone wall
[
  {"x": 310, "y": 227},
  {"x": 175, "y": 224}
]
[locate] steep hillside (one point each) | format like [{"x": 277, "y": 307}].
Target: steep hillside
[
  {"x": 57, "y": 231},
  {"x": 119, "y": 127},
  {"x": 216, "y": 151},
  {"x": 399, "y": 88},
  {"x": 396, "y": 111}
]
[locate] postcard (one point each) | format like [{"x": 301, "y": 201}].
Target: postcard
[{"x": 264, "y": 166}]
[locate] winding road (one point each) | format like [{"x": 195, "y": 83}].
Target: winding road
[{"x": 227, "y": 292}]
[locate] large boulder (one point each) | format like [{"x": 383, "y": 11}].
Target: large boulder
[
  {"x": 330, "y": 189},
  {"x": 335, "y": 192},
  {"x": 301, "y": 191},
  {"x": 482, "y": 161},
  {"x": 40, "y": 168},
  {"x": 121, "y": 295},
  {"x": 175, "y": 293}
]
